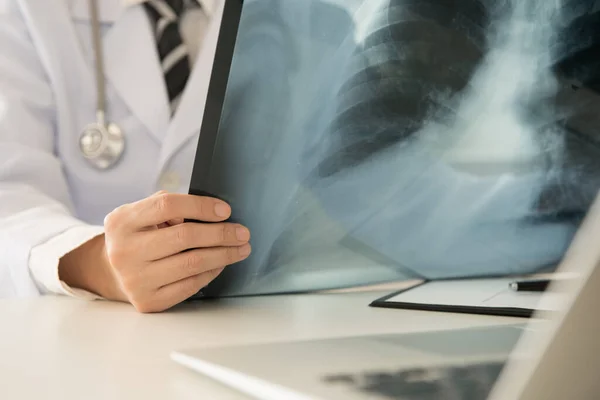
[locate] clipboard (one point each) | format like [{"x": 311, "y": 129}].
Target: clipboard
[{"x": 471, "y": 296}]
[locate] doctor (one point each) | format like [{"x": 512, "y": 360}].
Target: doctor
[{"x": 100, "y": 107}]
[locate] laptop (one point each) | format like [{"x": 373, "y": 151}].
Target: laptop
[
  {"x": 553, "y": 357},
  {"x": 342, "y": 133}
]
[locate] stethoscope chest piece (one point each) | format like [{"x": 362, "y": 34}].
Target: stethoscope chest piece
[{"x": 102, "y": 144}]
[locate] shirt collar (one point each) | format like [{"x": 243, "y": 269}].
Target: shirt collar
[{"x": 207, "y": 5}]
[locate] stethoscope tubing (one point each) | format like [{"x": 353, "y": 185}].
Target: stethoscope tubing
[
  {"x": 102, "y": 143},
  {"x": 99, "y": 64}
]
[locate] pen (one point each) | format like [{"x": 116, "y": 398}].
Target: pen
[{"x": 530, "y": 285}]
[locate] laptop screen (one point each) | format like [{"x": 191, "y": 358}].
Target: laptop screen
[{"x": 365, "y": 141}]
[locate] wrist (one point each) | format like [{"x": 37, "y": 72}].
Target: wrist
[{"x": 88, "y": 268}]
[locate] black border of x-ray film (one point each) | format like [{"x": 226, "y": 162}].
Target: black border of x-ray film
[{"x": 215, "y": 99}]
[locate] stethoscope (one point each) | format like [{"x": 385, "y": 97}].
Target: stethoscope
[{"x": 102, "y": 143}]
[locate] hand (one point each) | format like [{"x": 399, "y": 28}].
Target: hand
[{"x": 142, "y": 257}]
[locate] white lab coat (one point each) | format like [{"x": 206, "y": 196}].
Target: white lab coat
[{"x": 47, "y": 94}]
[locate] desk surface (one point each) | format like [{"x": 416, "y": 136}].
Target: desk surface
[{"x": 61, "y": 348}]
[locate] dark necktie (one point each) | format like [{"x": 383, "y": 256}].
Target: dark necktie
[{"x": 165, "y": 16}]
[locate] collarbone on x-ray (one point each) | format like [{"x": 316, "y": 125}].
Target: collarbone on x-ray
[{"x": 370, "y": 140}]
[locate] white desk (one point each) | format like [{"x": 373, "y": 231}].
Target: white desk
[{"x": 60, "y": 348}]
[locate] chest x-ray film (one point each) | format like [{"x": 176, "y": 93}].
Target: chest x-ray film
[{"x": 364, "y": 141}]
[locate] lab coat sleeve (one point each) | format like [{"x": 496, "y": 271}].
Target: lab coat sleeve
[
  {"x": 44, "y": 260},
  {"x": 35, "y": 204}
]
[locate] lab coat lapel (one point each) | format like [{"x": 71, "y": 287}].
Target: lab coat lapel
[
  {"x": 133, "y": 68},
  {"x": 188, "y": 118}
]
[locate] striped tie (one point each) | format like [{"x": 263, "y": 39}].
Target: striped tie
[{"x": 165, "y": 15}]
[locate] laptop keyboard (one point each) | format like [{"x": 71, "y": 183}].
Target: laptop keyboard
[{"x": 464, "y": 382}]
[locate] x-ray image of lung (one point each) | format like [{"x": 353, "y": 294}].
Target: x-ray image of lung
[{"x": 366, "y": 141}]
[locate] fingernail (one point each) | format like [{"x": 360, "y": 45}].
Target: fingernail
[
  {"x": 245, "y": 250},
  {"x": 222, "y": 210},
  {"x": 242, "y": 234}
]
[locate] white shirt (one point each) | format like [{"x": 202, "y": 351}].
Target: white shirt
[{"x": 44, "y": 259}]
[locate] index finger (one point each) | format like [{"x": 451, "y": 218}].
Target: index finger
[{"x": 165, "y": 207}]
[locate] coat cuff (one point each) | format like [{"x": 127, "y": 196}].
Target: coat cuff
[{"x": 44, "y": 260}]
